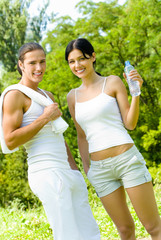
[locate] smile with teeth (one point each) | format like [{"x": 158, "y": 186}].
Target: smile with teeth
[
  {"x": 37, "y": 74},
  {"x": 80, "y": 71}
]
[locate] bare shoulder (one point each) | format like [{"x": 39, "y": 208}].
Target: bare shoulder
[
  {"x": 114, "y": 85},
  {"x": 71, "y": 101},
  {"x": 71, "y": 96},
  {"x": 114, "y": 79},
  {"x": 50, "y": 95},
  {"x": 14, "y": 93},
  {"x": 14, "y": 98},
  {"x": 14, "y": 102},
  {"x": 71, "y": 93}
]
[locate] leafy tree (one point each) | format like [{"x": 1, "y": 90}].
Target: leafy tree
[
  {"x": 37, "y": 25},
  {"x": 143, "y": 18},
  {"x": 12, "y": 31},
  {"x": 17, "y": 28}
]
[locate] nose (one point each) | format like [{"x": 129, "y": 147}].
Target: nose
[
  {"x": 38, "y": 66},
  {"x": 77, "y": 63}
]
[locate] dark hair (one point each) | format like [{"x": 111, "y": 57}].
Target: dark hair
[
  {"x": 27, "y": 47},
  {"x": 81, "y": 44}
]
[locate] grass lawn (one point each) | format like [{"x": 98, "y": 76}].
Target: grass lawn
[{"x": 33, "y": 225}]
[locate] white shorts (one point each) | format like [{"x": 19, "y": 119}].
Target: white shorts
[
  {"x": 127, "y": 169},
  {"x": 64, "y": 196}
]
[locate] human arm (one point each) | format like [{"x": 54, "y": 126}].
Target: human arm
[
  {"x": 14, "y": 106},
  {"x": 81, "y": 138},
  {"x": 83, "y": 149},
  {"x": 129, "y": 112},
  {"x": 71, "y": 160}
]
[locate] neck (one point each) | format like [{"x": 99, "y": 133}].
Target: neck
[
  {"x": 90, "y": 80},
  {"x": 29, "y": 84}
]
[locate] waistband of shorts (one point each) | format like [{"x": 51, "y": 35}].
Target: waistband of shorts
[{"x": 130, "y": 151}]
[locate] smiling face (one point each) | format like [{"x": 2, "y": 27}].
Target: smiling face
[
  {"x": 33, "y": 67},
  {"x": 80, "y": 65}
]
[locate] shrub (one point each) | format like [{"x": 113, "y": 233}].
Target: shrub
[
  {"x": 155, "y": 172},
  {"x": 14, "y": 180}
]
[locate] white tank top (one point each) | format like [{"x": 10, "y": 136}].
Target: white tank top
[
  {"x": 46, "y": 149},
  {"x": 100, "y": 118}
]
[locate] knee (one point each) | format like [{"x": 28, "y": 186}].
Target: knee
[
  {"x": 127, "y": 231},
  {"x": 154, "y": 228}
]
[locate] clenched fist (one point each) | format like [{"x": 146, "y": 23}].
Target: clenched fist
[{"x": 52, "y": 112}]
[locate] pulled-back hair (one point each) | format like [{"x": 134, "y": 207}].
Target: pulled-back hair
[
  {"x": 27, "y": 47},
  {"x": 81, "y": 44}
]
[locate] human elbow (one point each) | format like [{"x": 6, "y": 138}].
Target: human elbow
[
  {"x": 131, "y": 127},
  {"x": 10, "y": 144},
  {"x": 81, "y": 141}
]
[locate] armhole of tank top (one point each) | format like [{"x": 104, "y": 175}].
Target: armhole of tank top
[
  {"x": 104, "y": 84},
  {"x": 45, "y": 93}
]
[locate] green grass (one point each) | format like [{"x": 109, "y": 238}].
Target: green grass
[{"x": 16, "y": 223}]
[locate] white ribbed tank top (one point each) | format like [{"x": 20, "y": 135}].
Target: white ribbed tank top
[
  {"x": 100, "y": 118},
  {"x": 46, "y": 149}
]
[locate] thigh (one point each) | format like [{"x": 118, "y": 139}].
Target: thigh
[
  {"x": 116, "y": 206},
  {"x": 45, "y": 183},
  {"x": 102, "y": 177},
  {"x": 143, "y": 200},
  {"x": 53, "y": 189}
]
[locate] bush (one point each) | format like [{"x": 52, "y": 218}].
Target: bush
[
  {"x": 155, "y": 172},
  {"x": 14, "y": 180}
]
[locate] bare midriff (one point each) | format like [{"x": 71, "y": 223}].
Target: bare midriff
[{"x": 110, "y": 152}]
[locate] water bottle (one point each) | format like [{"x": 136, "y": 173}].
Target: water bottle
[{"x": 133, "y": 85}]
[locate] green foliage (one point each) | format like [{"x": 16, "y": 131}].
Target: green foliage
[
  {"x": 17, "y": 28},
  {"x": 13, "y": 179},
  {"x": 152, "y": 144},
  {"x": 18, "y": 223},
  {"x": 118, "y": 33},
  {"x": 38, "y": 25},
  {"x": 32, "y": 224},
  {"x": 12, "y": 31},
  {"x": 8, "y": 79},
  {"x": 155, "y": 172}
]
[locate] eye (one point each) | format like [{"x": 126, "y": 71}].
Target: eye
[
  {"x": 82, "y": 58},
  {"x": 71, "y": 61}
]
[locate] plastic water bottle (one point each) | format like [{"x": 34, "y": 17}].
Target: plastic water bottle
[{"x": 133, "y": 85}]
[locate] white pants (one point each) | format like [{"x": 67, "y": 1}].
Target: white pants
[{"x": 64, "y": 196}]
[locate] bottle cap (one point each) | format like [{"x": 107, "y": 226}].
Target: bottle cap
[{"x": 127, "y": 63}]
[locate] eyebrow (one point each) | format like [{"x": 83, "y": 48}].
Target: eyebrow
[
  {"x": 44, "y": 59},
  {"x": 77, "y": 57}
]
